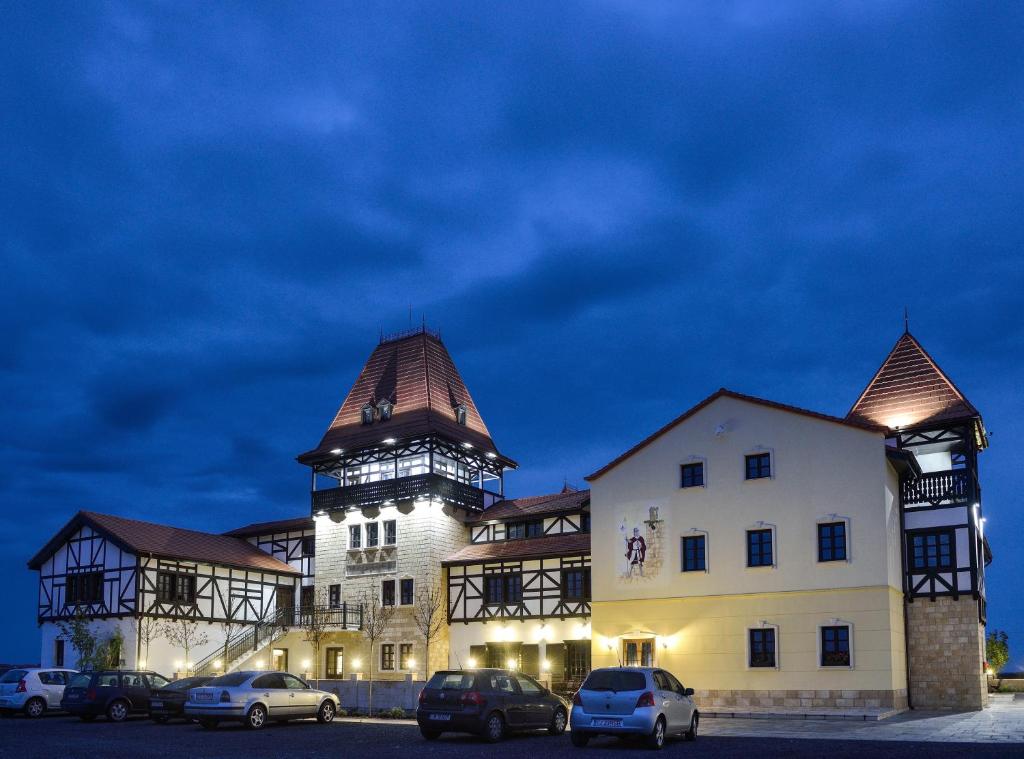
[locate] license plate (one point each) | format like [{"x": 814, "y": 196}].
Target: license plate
[
  {"x": 607, "y": 723},
  {"x": 72, "y": 697},
  {"x": 156, "y": 704},
  {"x": 441, "y": 717},
  {"x": 204, "y": 697}
]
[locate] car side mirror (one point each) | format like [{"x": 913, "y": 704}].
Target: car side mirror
[{"x": 687, "y": 691}]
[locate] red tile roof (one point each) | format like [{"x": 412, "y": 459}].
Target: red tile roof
[
  {"x": 538, "y": 505},
  {"x": 910, "y": 390},
  {"x": 724, "y": 393},
  {"x": 167, "y": 542},
  {"x": 570, "y": 544},
  {"x": 416, "y": 373},
  {"x": 269, "y": 528}
]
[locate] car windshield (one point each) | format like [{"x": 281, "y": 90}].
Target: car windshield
[
  {"x": 615, "y": 680},
  {"x": 81, "y": 681},
  {"x": 185, "y": 684},
  {"x": 13, "y": 675},
  {"x": 451, "y": 681},
  {"x": 233, "y": 678},
  {"x": 157, "y": 681}
]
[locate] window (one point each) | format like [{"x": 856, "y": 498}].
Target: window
[
  {"x": 585, "y": 522},
  {"x": 460, "y": 413},
  {"x": 406, "y": 589},
  {"x": 404, "y": 656},
  {"x": 638, "y": 653},
  {"x": 390, "y": 532},
  {"x": 576, "y": 584},
  {"x": 762, "y": 647},
  {"x": 503, "y": 589},
  {"x": 355, "y": 536},
  {"x": 528, "y": 686},
  {"x": 835, "y": 646},
  {"x": 577, "y": 660},
  {"x": 334, "y": 596},
  {"x": 694, "y": 553},
  {"x": 832, "y": 541},
  {"x": 387, "y": 594},
  {"x": 691, "y": 475},
  {"x": 518, "y": 530},
  {"x": 931, "y": 550},
  {"x": 84, "y": 588},
  {"x": 291, "y": 682},
  {"x": 514, "y": 588},
  {"x": 384, "y": 409},
  {"x": 58, "y": 653},
  {"x": 759, "y": 548},
  {"x": 387, "y": 657},
  {"x": 368, "y": 414},
  {"x": 335, "y": 663},
  {"x": 174, "y": 588},
  {"x": 759, "y": 465},
  {"x": 309, "y": 545},
  {"x": 372, "y": 535}
]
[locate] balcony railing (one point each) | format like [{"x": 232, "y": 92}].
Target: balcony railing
[
  {"x": 400, "y": 489},
  {"x": 937, "y": 488}
]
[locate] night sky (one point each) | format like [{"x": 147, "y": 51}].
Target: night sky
[{"x": 609, "y": 210}]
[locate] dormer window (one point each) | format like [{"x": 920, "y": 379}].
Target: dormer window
[
  {"x": 460, "y": 413},
  {"x": 384, "y": 407},
  {"x": 368, "y": 414}
]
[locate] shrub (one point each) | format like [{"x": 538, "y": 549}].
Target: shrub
[{"x": 393, "y": 713}]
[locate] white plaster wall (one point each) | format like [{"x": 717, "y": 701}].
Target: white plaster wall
[
  {"x": 819, "y": 468},
  {"x": 462, "y": 636}
]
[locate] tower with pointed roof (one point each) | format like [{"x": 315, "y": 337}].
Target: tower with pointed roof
[{"x": 936, "y": 434}]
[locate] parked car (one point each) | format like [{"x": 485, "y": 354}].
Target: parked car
[
  {"x": 638, "y": 701},
  {"x": 169, "y": 701},
  {"x": 489, "y": 703},
  {"x": 253, "y": 698},
  {"x": 33, "y": 691},
  {"x": 115, "y": 693}
]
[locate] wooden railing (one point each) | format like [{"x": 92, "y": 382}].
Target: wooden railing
[
  {"x": 936, "y": 488},
  {"x": 399, "y": 489}
]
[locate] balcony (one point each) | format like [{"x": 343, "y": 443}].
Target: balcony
[
  {"x": 401, "y": 489},
  {"x": 937, "y": 488}
]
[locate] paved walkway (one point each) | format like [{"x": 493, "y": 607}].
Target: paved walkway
[{"x": 1002, "y": 722}]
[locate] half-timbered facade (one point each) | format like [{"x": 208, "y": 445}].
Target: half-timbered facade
[{"x": 519, "y": 592}]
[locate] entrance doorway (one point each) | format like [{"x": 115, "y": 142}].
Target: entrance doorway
[
  {"x": 279, "y": 659},
  {"x": 335, "y": 663},
  {"x": 285, "y": 603}
]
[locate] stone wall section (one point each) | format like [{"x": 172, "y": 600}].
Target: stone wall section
[
  {"x": 946, "y": 644},
  {"x": 803, "y": 699}
]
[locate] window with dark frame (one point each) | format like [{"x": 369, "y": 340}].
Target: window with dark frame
[
  {"x": 84, "y": 588},
  {"x": 372, "y": 535},
  {"x": 691, "y": 475},
  {"x": 58, "y": 653},
  {"x": 355, "y": 536},
  {"x": 387, "y": 657},
  {"x": 520, "y": 530},
  {"x": 460, "y": 413},
  {"x": 931, "y": 550},
  {"x": 175, "y": 588},
  {"x": 759, "y": 466},
  {"x": 390, "y": 532},
  {"x": 759, "y": 548},
  {"x": 585, "y": 522},
  {"x": 334, "y": 596},
  {"x": 576, "y": 584},
  {"x": 504, "y": 588},
  {"x": 404, "y": 655},
  {"x": 387, "y": 593},
  {"x": 335, "y": 663},
  {"x": 835, "y": 646},
  {"x": 384, "y": 410},
  {"x": 406, "y": 591},
  {"x": 832, "y": 541},
  {"x": 367, "y": 415},
  {"x": 694, "y": 553},
  {"x": 762, "y": 647},
  {"x": 309, "y": 545}
]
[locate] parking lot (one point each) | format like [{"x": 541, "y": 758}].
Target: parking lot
[{"x": 998, "y": 731}]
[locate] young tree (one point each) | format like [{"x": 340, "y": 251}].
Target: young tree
[
  {"x": 377, "y": 620},
  {"x": 108, "y": 653},
  {"x": 997, "y": 650},
  {"x": 429, "y": 617},
  {"x": 146, "y": 629},
  {"x": 82, "y": 638},
  {"x": 185, "y": 634},
  {"x": 314, "y": 622}
]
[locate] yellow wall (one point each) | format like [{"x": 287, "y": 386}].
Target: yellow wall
[{"x": 703, "y": 640}]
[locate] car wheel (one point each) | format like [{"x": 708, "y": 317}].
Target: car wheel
[
  {"x": 691, "y": 734},
  {"x": 579, "y": 740},
  {"x": 327, "y": 712},
  {"x": 35, "y": 708},
  {"x": 430, "y": 735},
  {"x": 160, "y": 719},
  {"x": 494, "y": 729},
  {"x": 656, "y": 739},
  {"x": 257, "y": 717},
  {"x": 558, "y": 722},
  {"x": 207, "y": 723},
  {"x": 118, "y": 711},
  {"x": 87, "y": 717}
]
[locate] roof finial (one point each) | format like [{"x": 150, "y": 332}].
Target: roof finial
[{"x": 906, "y": 321}]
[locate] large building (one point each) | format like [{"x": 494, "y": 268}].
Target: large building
[
  {"x": 772, "y": 556},
  {"x": 783, "y": 558}
]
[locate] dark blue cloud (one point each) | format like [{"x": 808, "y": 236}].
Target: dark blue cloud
[{"x": 610, "y": 210}]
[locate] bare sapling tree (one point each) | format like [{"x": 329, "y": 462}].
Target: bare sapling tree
[
  {"x": 186, "y": 635},
  {"x": 315, "y": 621},
  {"x": 227, "y": 629},
  {"x": 429, "y": 618},
  {"x": 146, "y": 629},
  {"x": 377, "y": 620}
]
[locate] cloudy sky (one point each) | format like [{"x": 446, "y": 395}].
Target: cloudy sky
[{"x": 609, "y": 209}]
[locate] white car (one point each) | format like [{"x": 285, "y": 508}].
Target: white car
[
  {"x": 33, "y": 691},
  {"x": 254, "y": 698}
]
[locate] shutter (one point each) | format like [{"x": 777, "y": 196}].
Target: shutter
[{"x": 529, "y": 659}]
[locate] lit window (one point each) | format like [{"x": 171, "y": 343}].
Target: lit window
[
  {"x": 387, "y": 657},
  {"x": 691, "y": 475},
  {"x": 404, "y": 655},
  {"x": 759, "y": 466}
]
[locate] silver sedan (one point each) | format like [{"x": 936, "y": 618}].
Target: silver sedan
[{"x": 254, "y": 698}]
